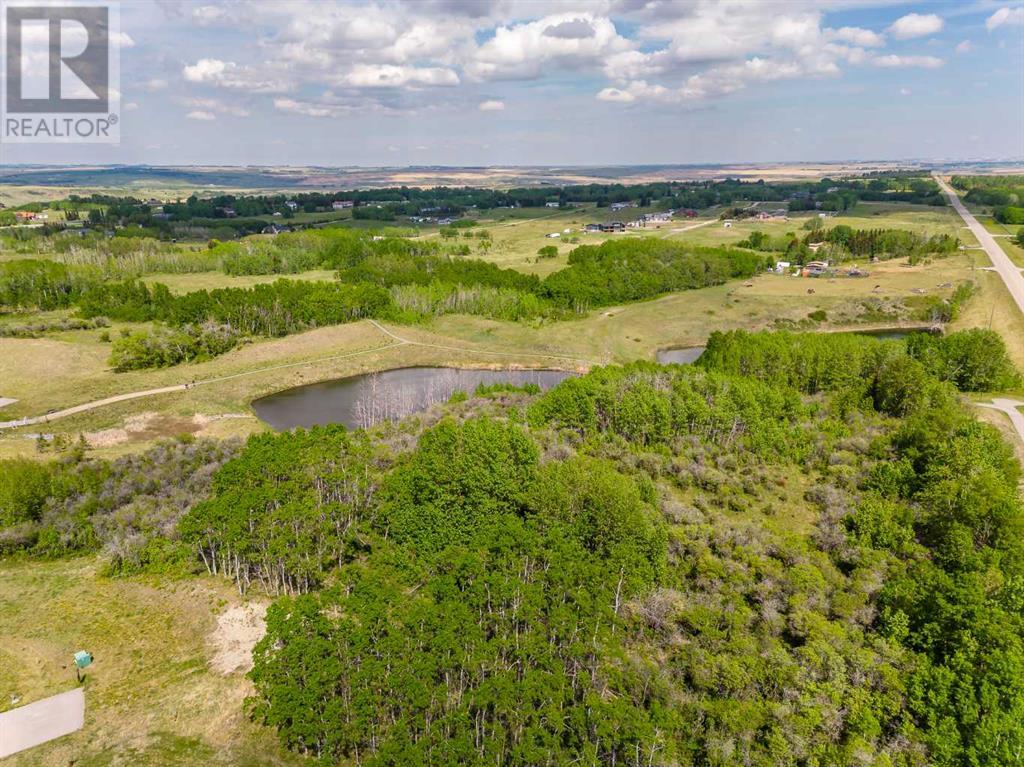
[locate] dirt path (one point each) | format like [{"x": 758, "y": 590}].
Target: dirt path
[{"x": 399, "y": 341}]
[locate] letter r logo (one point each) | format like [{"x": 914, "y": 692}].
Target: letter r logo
[{"x": 58, "y": 59}]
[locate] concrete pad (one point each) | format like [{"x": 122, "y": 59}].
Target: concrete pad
[{"x": 46, "y": 719}]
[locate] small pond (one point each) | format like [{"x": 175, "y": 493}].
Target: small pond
[
  {"x": 364, "y": 400},
  {"x": 681, "y": 356}
]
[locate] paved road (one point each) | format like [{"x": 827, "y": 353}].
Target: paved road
[
  {"x": 1004, "y": 267},
  {"x": 1012, "y": 408}
]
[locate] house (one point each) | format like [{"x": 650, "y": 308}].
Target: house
[
  {"x": 591, "y": 228},
  {"x": 622, "y": 205},
  {"x": 342, "y": 204},
  {"x": 552, "y": 204},
  {"x": 814, "y": 269},
  {"x": 24, "y": 215},
  {"x": 553, "y": 235},
  {"x": 614, "y": 226},
  {"x": 781, "y": 266},
  {"x": 291, "y": 204},
  {"x": 689, "y": 213},
  {"x": 227, "y": 212},
  {"x": 663, "y": 217},
  {"x": 274, "y": 229}
]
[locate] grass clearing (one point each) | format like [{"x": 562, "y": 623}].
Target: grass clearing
[
  {"x": 186, "y": 283},
  {"x": 151, "y": 698}
]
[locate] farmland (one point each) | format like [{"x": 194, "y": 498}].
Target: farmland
[
  {"x": 126, "y": 553},
  {"x": 65, "y": 368}
]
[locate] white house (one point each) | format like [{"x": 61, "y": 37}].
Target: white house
[
  {"x": 291, "y": 204},
  {"x": 342, "y": 204}
]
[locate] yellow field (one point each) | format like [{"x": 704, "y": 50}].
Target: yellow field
[{"x": 185, "y": 283}]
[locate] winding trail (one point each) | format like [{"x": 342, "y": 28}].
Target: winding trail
[
  {"x": 1011, "y": 408},
  {"x": 1003, "y": 266},
  {"x": 398, "y": 341}
]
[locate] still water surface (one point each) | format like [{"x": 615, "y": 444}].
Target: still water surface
[{"x": 363, "y": 400}]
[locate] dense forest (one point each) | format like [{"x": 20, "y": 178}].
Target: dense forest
[{"x": 801, "y": 550}]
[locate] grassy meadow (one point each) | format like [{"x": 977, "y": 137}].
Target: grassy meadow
[{"x": 151, "y": 696}]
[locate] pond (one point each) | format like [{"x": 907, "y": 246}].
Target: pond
[
  {"x": 363, "y": 400},
  {"x": 682, "y": 356}
]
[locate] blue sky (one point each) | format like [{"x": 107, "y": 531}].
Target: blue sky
[{"x": 492, "y": 82}]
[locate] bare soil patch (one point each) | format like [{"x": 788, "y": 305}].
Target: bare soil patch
[{"x": 238, "y": 630}]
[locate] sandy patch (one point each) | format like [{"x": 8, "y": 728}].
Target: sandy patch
[
  {"x": 152, "y": 425},
  {"x": 238, "y": 630},
  {"x": 5, "y": 401}
]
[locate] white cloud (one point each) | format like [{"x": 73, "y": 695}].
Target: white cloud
[
  {"x": 530, "y": 49},
  {"x": 1010, "y": 16},
  {"x": 227, "y": 74},
  {"x": 392, "y": 76},
  {"x": 200, "y": 115},
  {"x": 964, "y": 46},
  {"x": 383, "y": 56},
  {"x": 209, "y": 14},
  {"x": 204, "y": 70},
  {"x": 633, "y": 65},
  {"x": 905, "y": 91},
  {"x": 915, "y": 25},
  {"x": 639, "y": 89},
  {"x": 131, "y": 106},
  {"x": 894, "y": 61},
  {"x": 863, "y": 38},
  {"x": 156, "y": 84},
  {"x": 220, "y": 106},
  {"x": 304, "y": 108},
  {"x": 491, "y": 105}
]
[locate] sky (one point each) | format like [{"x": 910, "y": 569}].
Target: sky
[{"x": 561, "y": 82}]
